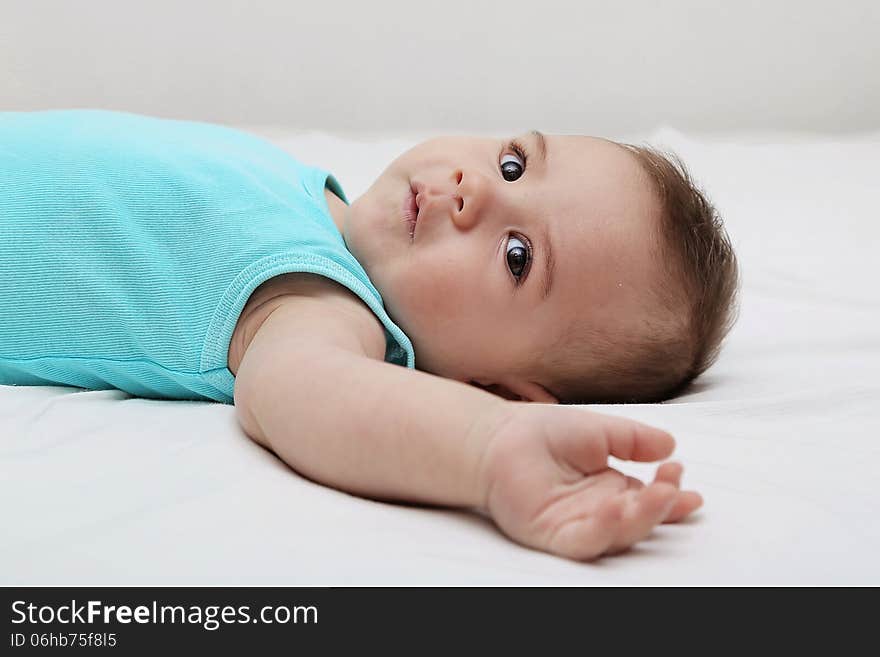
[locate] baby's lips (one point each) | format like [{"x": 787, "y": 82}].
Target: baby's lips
[{"x": 418, "y": 189}]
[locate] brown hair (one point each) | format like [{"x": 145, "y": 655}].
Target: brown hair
[{"x": 696, "y": 296}]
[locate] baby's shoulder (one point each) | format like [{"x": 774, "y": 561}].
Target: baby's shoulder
[{"x": 305, "y": 294}]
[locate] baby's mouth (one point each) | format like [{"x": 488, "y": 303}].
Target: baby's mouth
[{"x": 411, "y": 210}]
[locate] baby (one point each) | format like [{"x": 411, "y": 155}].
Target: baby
[{"x": 183, "y": 260}]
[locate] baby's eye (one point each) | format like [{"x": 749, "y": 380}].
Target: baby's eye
[
  {"x": 519, "y": 255},
  {"x": 514, "y": 166}
]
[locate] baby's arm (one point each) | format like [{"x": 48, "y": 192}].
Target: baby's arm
[{"x": 310, "y": 388}]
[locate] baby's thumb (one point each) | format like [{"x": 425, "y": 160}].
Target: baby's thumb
[{"x": 597, "y": 436}]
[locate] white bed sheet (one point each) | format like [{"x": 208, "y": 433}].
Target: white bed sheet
[{"x": 98, "y": 487}]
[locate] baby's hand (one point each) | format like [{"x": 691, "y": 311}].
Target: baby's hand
[{"x": 548, "y": 485}]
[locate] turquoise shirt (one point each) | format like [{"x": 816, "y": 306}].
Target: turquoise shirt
[{"x": 130, "y": 244}]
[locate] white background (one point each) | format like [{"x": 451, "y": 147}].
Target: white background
[{"x": 401, "y": 66}]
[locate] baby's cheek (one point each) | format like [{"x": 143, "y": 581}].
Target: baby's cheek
[
  {"x": 430, "y": 298},
  {"x": 430, "y": 304}
]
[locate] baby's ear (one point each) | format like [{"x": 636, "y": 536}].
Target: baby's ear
[
  {"x": 519, "y": 391},
  {"x": 499, "y": 390}
]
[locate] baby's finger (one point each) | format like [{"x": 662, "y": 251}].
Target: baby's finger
[
  {"x": 588, "y": 450},
  {"x": 586, "y": 538},
  {"x": 647, "y": 508},
  {"x": 670, "y": 473},
  {"x": 686, "y": 503},
  {"x": 633, "y": 441}
]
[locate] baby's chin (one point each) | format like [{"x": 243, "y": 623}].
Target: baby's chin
[
  {"x": 354, "y": 233},
  {"x": 437, "y": 359}
]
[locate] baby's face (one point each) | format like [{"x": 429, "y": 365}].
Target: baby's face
[{"x": 507, "y": 252}]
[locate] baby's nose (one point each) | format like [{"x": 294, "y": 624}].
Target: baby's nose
[
  {"x": 471, "y": 192},
  {"x": 433, "y": 198}
]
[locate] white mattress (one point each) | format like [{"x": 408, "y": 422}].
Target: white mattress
[{"x": 781, "y": 436}]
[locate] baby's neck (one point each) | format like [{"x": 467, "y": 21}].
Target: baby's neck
[{"x": 338, "y": 209}]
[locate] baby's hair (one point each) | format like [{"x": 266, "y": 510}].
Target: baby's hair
[{"x": 695, "y": 301}]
